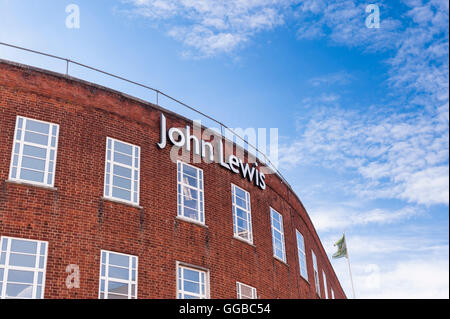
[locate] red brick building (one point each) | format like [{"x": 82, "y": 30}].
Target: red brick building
[{"x": 84, "y": 183}]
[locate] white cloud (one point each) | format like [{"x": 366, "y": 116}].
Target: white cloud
[
  {"x": 413, "y": 266},
  {"x": 341, "y": 216},
  {"x": 416, "y": 279},
  {"x": 343, "y": 22},
  {"x": 429, "y": 186},
  {"x": 211, "y": 27},
  {"x": 403, "y": 156},
  {"x": 340, "y": 78}
]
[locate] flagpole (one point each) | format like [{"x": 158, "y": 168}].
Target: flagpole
[{"x": 349, "y": 268}]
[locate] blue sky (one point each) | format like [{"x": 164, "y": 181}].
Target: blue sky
[{"x": 362, "y": 113}]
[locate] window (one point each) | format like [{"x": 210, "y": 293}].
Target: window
[
  {"x": 122, "y": 171},
  {"x": 302, "y": 255},
  {"x": 118, "y": 276},
  {"x": 245, "y": 291},
  {"x": 190, "y": 192},
  {"x": 34, "y": 153},
  {"x": 192, "y": 283},
  {"x": 325, "y": 284},
  {"x": 242, "y": 217},
  {"x": 332, "y": 293},
  {"x": 316, "y": 273},
  {"x": 22, "y": 268},
  {"x": 277, "y": 235}
]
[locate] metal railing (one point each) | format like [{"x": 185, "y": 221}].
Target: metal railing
[{"x": 157, "y": 92}]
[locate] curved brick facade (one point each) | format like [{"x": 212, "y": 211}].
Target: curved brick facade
[{"x": 77, "y": 222}]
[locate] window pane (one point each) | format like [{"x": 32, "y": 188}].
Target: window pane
[
  {"x": 122, "y": 182},
  {"x": 41, "y": 262},
  {"x": 36, "y": 164},
  {"x": 22, "y": 260},
  {"x": 123, "y": 159},
  {"x": 36, "y": 138},
  {"x": 20, "y": 276},
  {"x": 39, "y": 292},
  {"x": 240, "y": 202},
  {"x": 118, "y": 287},
  {"x": 37, "y": 126},
  {"x": 123, "y": 148},
  {"x": 120, "y": 193},
  {"x": 14, "y": 172},
  {"x": 122, "y": 171},
  {"x": 43, "y": 247},
  {"x": 193, "y": 214},
  {"x": 19, "y": 291},
  {"x": 191, "y": 287},
  {"x": 191, "y": 275},
  {"x": 276, "y": 224},
  {"x": 119, "y": 273},
  {"x": 190, "y": 203},
  {"x": 240, "y": 213},
  {"x": 190, "y": 170},
  {"x": 242, "y": 223},
  {"x": 33, "y": 176},
  {"x": 119, "y": 260},
  {"x": 190, "y": 180},
  {"x": 34, "y": 151},
  {"x": 239, "y": 192},
  {"x": 23, "y": 246}
]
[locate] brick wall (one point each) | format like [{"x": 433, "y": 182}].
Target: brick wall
[{"x": 78, "y": 223}]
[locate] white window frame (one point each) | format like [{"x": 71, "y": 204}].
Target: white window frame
[
  {"x": 332, "y": 293},
  {"x": 316, "y": 273},
  {"x": 239, "y": 286},
  {"x": 180, "y": 279},
  {"x": 302, "y": 255},
  {"x": 247, "y": 210},
  {"x": 106, "y": 277},
  {"x": 280, "y": 231},
  {"x": 36, "y": 270},
  {"x": 135, "y": 170},
  {"x": 325, "y": 284},
  {"x": 19, "y": 152},
  {"x": 200, "y": 191}
]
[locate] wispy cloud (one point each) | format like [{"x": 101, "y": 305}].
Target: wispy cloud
[
  {"x": 210, "y": 27},
  {"x": 400, "y": 156},
  {"x": 378, "y": 272},
  {"x": 343, "y": 22},
  {"x": 340, "y": 216},
  {"x": 340, "y": 78}
]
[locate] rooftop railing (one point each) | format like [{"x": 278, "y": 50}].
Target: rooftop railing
[{"x": 223, "y": 128}]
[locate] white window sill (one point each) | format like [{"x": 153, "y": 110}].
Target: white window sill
[
  {"x": 281, "y": 260},
  {"x": 115, "y": 200},
  {"x": 244, "y": 240},
  {"x": 305, "y": 280},
  {"x": 27, "y": 183},
  {"x": 192, "y": 221}
]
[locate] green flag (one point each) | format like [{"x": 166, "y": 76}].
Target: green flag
[{"x": 342, "y": 248}]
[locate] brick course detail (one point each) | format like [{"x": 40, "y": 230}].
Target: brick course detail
[{"x": 77, "y": 222}]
